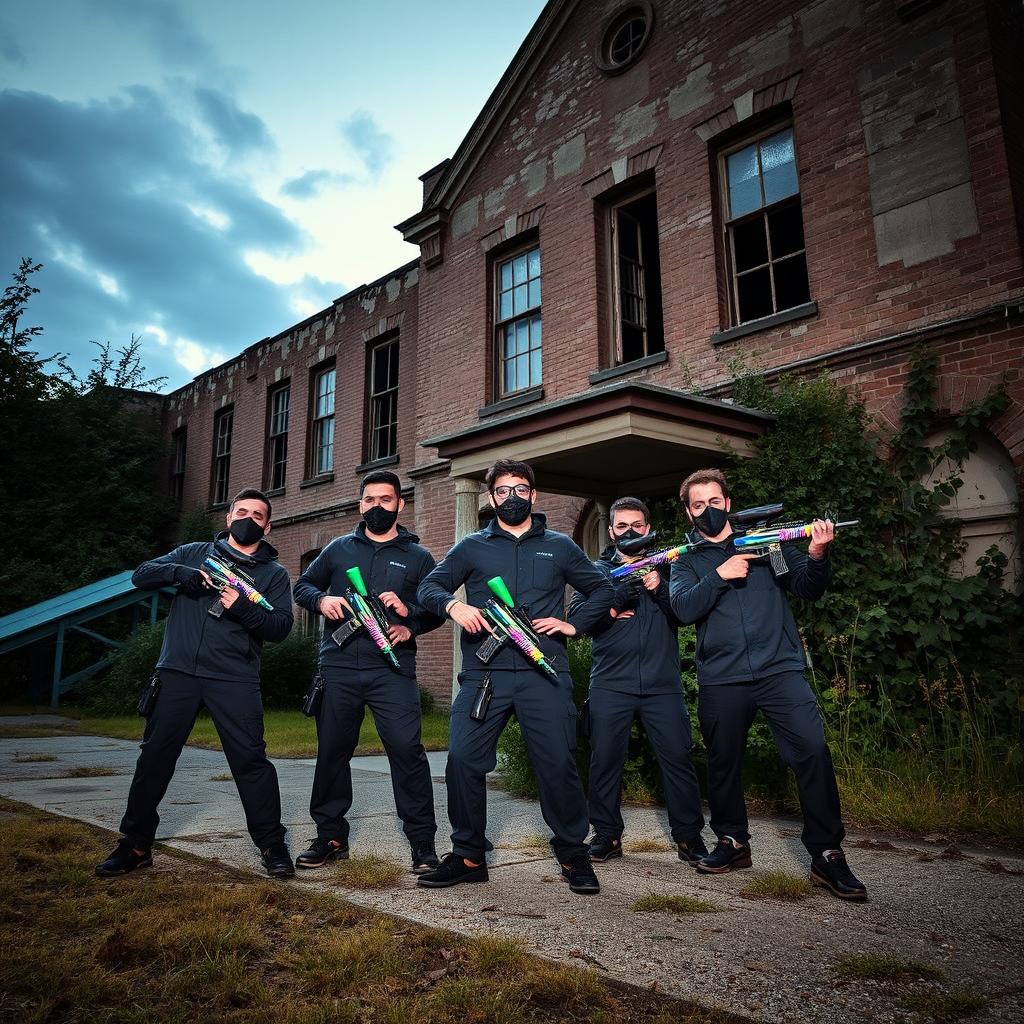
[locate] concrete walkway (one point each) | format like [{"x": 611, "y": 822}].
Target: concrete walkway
[{"x": 961, "y": 911}]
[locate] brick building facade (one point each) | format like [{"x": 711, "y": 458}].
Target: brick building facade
[{"x": 653, "y": 190}]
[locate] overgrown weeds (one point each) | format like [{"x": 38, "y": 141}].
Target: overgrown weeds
[{"x": 186, "y": 942}]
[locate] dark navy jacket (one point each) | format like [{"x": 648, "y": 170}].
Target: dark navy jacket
[
  {"x": 745, "y": 628},
  {"x": 397, "y": 565},
  {"x": 536, "y": 568},
  {"x": 638, "y": 655},
  {"x": 228, "y": 647}
]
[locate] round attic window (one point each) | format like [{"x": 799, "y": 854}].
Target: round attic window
[{"x": 624, "y": 37}]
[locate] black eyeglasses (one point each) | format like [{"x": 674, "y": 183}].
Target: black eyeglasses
[{"x": 501, "y": 493}]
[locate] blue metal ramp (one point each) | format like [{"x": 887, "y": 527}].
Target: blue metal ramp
[{"x": 57, "y": 615}]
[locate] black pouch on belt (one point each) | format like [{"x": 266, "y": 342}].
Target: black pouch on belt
[
  {"x": 147, "y": 700},
  {"x": 314, "y": 696},
  {"x": 484, "y": 694}
]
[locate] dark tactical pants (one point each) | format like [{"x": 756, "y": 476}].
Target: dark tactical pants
[
  {"x": 667, "y": 724},
  {"x": 547, "y": 717},
  {"x": 236, "y": 708},
  {"x": 395, "y": 702},
  {"x": 726, "y": 713}
]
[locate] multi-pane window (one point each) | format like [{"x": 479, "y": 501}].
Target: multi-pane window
[
  {"x": 636, "y": 276},
  {"x": 518, "y": 322},
  {"x": 178, "y": 440},
  {"x": 383, "y": 440},
  {"x": 764, "y": 228},
  {"x": 222, "y": 425},
  {"x": 277, "y": 436},
  {"x": 323, "y": 422}
]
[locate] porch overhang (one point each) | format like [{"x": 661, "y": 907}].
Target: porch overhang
[{"x": 625, "y": 438}]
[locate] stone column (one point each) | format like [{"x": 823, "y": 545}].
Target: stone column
[{"x": 467, "y": 508}]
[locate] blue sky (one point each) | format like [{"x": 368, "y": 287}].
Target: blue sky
[{"x": 204, "y": 174}]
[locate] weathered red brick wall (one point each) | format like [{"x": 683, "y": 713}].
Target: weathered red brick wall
[{"x": 848, "y": 66}]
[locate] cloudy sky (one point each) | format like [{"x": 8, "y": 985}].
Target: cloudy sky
[{"x": 204, "y": 173}]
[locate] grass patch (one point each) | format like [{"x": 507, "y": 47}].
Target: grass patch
[
  {"x": 367, "y": 871},
  {"x": 85, "y": 771},
  {"x": 648, "y": 846},
  {"x": 661, "y": 903},
  {"x": 187, "y": 941},
  {"x": 223, "y": 777},
  {"x": 34, "y": 758},
  {"x": 778, "y": 885},
  {"x": 877, "y": 967},
  {"x": 288, "y": 733},
  {"x": 945, "y": 1006}
]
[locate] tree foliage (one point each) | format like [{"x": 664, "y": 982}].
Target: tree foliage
[{"x": 77, "y": 467}]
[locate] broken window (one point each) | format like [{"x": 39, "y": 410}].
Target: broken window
[
  {"x": 383, "y": 441},
  {"x": 277, "y": 436},
  {"x": 322, "y": 460},
  {"x": 636, "y": 279},
  {"x": 764, "y": 233},
  {"x": 222, "y": 425},
  {"x": 518, "y": 322}
]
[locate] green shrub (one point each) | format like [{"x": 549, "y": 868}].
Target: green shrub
[
  {"x": 286, "y": 670},
  {"x": 116, "y": 691}
]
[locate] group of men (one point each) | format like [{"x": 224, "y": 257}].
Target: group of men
[{"x": 749, "y": 657}]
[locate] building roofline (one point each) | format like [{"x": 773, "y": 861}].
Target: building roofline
[{"x": 271, "y": 338}]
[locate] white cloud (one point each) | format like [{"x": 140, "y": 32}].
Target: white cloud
[
  {"x": 195, "y": 358},
  {"x": 221, "y": 221}
]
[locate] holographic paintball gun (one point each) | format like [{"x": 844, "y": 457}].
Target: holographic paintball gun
[
  {"x": 762, "y": 541},
  {"x": 224, "y": 575},
  {"x": 642, "y": 566},
  {"x": 368, "y": 614},
  {"x": 511, "y": 624}
]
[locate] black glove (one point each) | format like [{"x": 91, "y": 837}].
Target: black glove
[
  {"x": 189, "y": 580},
  {"x": 625, "y": 595}
]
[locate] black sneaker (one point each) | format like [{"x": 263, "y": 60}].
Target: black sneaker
[
  {"x": 692, "y": 850},
  {"x": 424, "y": 859},
  {"x": 320, "y": 852},
  {"x": 604, "y": 848},
  {"x": 453, "y": 869},
  {"x": 579, "y": 873},
  {"x": 728, "y": 855},
  {"x": 125, "y": 858},
  {"x": 830, "y": 871},
  {"x": 278, "y": 861}
]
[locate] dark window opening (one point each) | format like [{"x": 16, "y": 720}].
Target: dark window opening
[
  {"x": 277, "y": 437},
  {"x": 178, "y": 446},
  {"x": 222, "y": 426},
  {"x": 384, "y": 401},
  {"x": 764, "y": 228},
  {"x": 639, "y": 326}
]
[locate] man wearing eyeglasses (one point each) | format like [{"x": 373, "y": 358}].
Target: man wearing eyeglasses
[
  {"x": 635, "y": 674},
  {"x": 535, "y": 564}
]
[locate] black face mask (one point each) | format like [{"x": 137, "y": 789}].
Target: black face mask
[
  {"x": 625, "y": 538},
  {"x": 246, "y": 531},
  {"x": 379, "y": 520},
  {"x": 711, "y": 522},
  {"x": 513, "y": 510}
]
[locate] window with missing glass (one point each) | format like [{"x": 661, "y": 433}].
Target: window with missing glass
[
  {"x": 383, "y": 435},
  {"x": 178, "y": 444},
  {"x": 322, "y": 447},
  {"x": 277, "y": 436},
  {"x": 518, "y": 322},
  {"x": 222, "y": 426},
  {"x": 763, "y": 226},
  {"x": 636, "y": 278}
]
